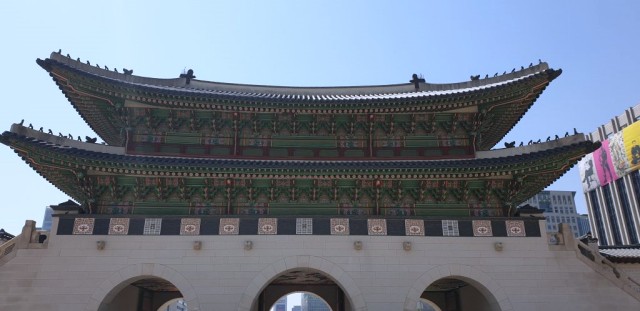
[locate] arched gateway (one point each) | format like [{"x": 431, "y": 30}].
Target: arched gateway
[
  {"x": 149, "y": 285},
  {"x": 456, "y": 287},
  {"x": 303, "y": 273},
  {"x": 199, "y": 163}
]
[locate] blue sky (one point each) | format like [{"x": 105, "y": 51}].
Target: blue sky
[{"x": 317, "y": 43}]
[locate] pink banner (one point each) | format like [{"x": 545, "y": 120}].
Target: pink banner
[{"x": 604, "y": 166}]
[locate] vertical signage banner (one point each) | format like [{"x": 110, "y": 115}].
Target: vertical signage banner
[
  {"x": 588, "y": 174},
  {"x": 604, "y": 165},
  {"x": 631, "y": 138},
  {"x": 618, "y": 154}
]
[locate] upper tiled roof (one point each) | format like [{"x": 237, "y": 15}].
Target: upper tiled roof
[
  {"x": 292, "y": 96},
  {"x": 99, "y": 96}
]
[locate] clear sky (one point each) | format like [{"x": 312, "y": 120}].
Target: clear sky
[{"x": 316, "y": 43}]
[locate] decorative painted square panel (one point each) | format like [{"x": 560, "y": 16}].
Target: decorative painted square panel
[
  {"x": 377, "y": 226},
  {"x": 83, "y": 225},
  {"x": 304, "y": 226},
  {"x": 414, "y": 226},
  {"x": 229, "y": 226},
  {"x": 268, "y": 226},
  {"x": 339, "y": 226},
  {"x": 450, "y": 228},
  {"x": 515, "y": 228},
  {"x": 152, "y": 226},
  {"x": 190, "y": 226},
  {"x": 482, "y": 228},
  {"x": 118, "y": 226}
]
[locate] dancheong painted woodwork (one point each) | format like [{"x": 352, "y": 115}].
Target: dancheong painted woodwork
[{"x": 189, "y": 147}]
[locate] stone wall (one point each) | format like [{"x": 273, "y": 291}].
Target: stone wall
[{"x": 71, "y": 273}]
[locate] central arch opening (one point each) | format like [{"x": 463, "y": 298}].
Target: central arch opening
[
  {"x": 144, "y": 294},
  {"x": 301, "y": 301},
  {"x": 457, "y": 294},
  {"x": 310, "y": 288}
]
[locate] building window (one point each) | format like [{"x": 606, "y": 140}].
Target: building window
[
  {"x": 615, "y": 227},
  {"x": 626, "y": 211},
  {"x": 598, "y": 217}
]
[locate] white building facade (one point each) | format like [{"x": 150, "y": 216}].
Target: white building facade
[
  {"x": 559, "y": 207},
  {"x": 611, "y": 182}
]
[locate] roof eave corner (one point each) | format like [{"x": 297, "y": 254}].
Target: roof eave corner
[
  {"x": 44, "y": 64},
  {"x": 554, "y": 73}
]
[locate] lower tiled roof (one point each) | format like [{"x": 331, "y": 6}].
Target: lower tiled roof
[{"x": 621, "y": 254}]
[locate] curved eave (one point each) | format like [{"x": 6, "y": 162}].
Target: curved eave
[
  {"x": 292, "y": 96},
  {"x": 90, "y": 107},
  {"x": 505, "y": 98},
  {"x": 506, "y": 114},
  {"x": 536, "y": 166}
]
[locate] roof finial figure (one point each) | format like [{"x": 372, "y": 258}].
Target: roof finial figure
[
  {"x": 88, "y": 63},
  {"x": 486, "y": 76},
  {"x": 105, "y": 67},
  {"x": 189, "y": 75},
  {"x": 476, "y": 77},
  {"x": 521, "y": 67},
  {"x": 78, "y": 59},
  {"x": 513, "y": 70},
  {"x": 41, "y": 130},
  {"x": 50, "y": 132},
  {"x": 115, "y": 69},
  {"x": 21, "y": 122},
  {"x": 530, "y": 65},
  {"x": 575, "y": 132},
  {"x": 91, "y": 140},
  {"x": 539, "y": 61},
  {"x": 31, "y": 126},
  {"x": 127, "y": 71},
  {"x": 416, "y": 81},
  {"x": 59, "y": 51}
]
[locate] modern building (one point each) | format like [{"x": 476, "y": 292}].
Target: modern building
[
  {"x": 47, "y": 220},
  {"x": 583, "y": 224},
  {"x": 611, "y": 182},
  {"x": 280, "y": 305},
  {"x": 312, "y": 302},
  {"x": 232, "y": 196},
  {"x": 559, "y": 207},
  {"x": 296, "y": 308},
  {"x": 179, "y": 305}
]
